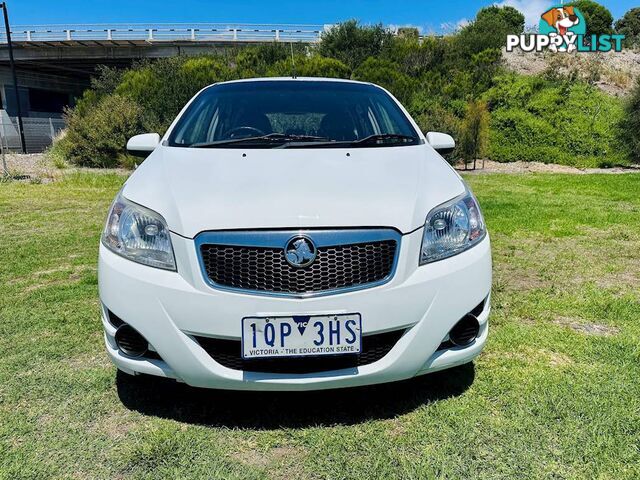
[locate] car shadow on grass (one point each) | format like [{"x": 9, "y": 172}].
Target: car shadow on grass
[{"x": 270, "y": 410}]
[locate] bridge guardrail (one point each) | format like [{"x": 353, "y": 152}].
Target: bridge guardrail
[{"x": 201, "y": 32}]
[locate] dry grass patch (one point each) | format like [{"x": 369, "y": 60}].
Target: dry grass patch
[
  {"x": 529, "y": 356},
  {"x": 116, "y": 425},
  {"x": 603, "y": 259},
  {"x": 595, "y": 329},
  {"x": 282, "y": 461}
]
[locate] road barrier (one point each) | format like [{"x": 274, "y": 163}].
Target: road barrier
[{"x": 180, "y": 32}]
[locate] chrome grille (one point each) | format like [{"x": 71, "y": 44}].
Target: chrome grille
[{"x": 345, "y": 260}]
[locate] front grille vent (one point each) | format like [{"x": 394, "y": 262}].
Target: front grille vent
[
  {"x": 265, "y": 269},
  {"x": 229, "y": 354}
]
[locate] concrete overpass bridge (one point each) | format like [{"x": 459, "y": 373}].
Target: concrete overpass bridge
[
  {"x": 78, "y": 49},
  {"x": 124, "y": 41},
  {"x": 54, "y": 63}
]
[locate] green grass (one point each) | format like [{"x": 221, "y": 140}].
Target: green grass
[{"x": 556, "y": 393}]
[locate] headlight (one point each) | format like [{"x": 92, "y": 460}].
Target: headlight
[
  {"x": 138, "y": 234},
  {"x": 452, "y": 228}
]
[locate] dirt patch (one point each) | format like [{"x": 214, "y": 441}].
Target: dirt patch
[
  {"x": 30, "y": 167},
  {"x": 612, "y": 72},
  {"x": 39, "y": 168},
  {"x": 594, "y": 329},
  {"x": 538, "y": 167}
]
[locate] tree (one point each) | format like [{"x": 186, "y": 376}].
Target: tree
[
  {"x": 512, "y": 18},
  {"x": 488, "y": 30},
  {"x": 313, "y": 66},
  {"x": 484, "y": 67},
  {"x": 629, "y": 26},
  {"x": 387, "y": 74},
  {"x": 416, "y": 56},
  {"x": 474, "y": 132},
  {"x": 408, "y": 32},
  {"x": 630, "y": 125},
  {"x": 162, "y": 87},
  {"x": 352, "y": 43},
  {"x": 597, "y": 17}
]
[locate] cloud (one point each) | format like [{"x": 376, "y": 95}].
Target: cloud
[{"x": 531, "y": 9}]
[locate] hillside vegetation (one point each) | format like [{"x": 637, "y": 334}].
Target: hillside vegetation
[{"x": 457, "y": 84}]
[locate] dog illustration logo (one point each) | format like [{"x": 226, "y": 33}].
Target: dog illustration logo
[
  {"x": 300, "y": 252},
  {"x": 565, "y": 22},
  {"x": 563, "y": 29}
]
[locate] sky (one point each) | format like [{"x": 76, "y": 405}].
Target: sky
[{"x": 428, "y": 15}]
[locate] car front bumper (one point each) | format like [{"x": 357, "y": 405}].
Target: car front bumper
[{"x": 170, "y": 309}]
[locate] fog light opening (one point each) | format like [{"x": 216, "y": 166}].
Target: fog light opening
[
  {"x": 465, "y": 331},
  {"x": 130, "y": 342}
]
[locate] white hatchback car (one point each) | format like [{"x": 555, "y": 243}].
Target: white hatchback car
[{"x": 293, "y": 234}]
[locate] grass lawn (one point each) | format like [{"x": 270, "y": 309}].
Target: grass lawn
[{"x": 556, "y": 392}]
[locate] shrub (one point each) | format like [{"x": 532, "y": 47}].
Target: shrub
[
  {"x": 552, "y": 122},
  {"x": 488, "y": 31},
  {"x": 431, "y": 115},
  {"x": 98, "y": 139},
  {"x": 314, "y": 66},
  {"x": 255, "y": 61},
  {"x": 352, "y": 43},
  {"x": 163, "y": 87},
  {"x": 597, "y": 17},
  {"x": 630, "y": 125},
  {"x": 474, "y": 132},
  {"x": 386, "y": 74},
  {"x": 629, "y": 26},
  {"x": 484, "y": 67},
  {"x": 416, "y": 57}
]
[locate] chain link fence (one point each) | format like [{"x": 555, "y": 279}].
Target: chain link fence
[{"x": 38, "y": 133}]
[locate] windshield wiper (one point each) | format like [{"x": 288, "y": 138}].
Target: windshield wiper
[
  {"x": 381, "y": 138},
  {"x": 285, "y": 140},
  {"x": 371, "y": 140},
  {"x": 271, "y": 138}
]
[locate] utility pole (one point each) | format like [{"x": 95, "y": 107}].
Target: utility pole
[{"x": 3, "y": 5}]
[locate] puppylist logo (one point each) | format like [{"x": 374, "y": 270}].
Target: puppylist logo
[{"x": 563, "y": 29}]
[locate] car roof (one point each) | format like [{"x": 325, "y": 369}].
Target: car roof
[{"x": 295, "y": 79}]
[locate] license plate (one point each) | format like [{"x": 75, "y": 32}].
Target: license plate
[{"x": 301, "y": 335}]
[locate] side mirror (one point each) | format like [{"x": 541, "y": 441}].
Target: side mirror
[
  {"x": 441, "y": 142},
  {"x": 142, "y": 145}
]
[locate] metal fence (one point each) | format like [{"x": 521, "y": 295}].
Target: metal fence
[
  {"x": 200, "y": 32},
  {"x": 38, "y": 133}
]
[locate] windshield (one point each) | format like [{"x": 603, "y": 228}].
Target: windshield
[{"x": 293, "y": 113}]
